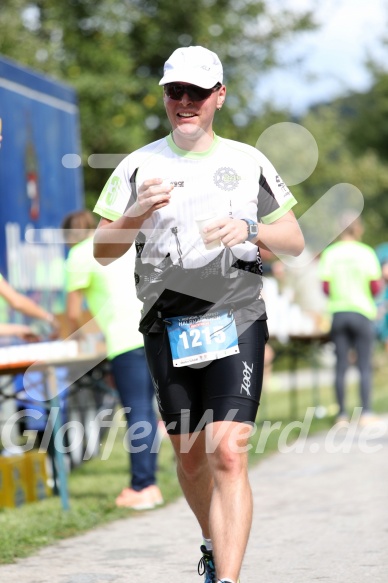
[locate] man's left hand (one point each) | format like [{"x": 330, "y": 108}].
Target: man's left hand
[{"x": 230, "y": 231}]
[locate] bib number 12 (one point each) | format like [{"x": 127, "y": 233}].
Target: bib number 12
[{"x": 195, "y": 338}]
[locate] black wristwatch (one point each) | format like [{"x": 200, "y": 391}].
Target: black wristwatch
[{"x": 253, "y": 229}]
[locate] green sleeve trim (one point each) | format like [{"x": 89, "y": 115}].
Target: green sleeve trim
[
  {"x": 280, "y": 212},
  {"x": 106, "y": 213}
]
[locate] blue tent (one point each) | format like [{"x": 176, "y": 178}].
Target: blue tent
[{"x": 40, "y": 180}]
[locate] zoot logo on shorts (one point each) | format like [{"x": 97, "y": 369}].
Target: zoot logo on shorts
[{"x": 246, "y": 383}]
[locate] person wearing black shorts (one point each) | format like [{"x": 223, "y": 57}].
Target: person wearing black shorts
[
  {"x": 198, "y": 207},
  {"x": 189, "y": 398}
]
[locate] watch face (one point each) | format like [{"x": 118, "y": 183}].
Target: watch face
[{"x": 253, "y": 229}]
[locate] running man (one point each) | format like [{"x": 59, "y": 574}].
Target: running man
[{"x": 204, "y": 320}]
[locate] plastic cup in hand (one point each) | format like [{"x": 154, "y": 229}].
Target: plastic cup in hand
[{"x": 202, "y": 221}]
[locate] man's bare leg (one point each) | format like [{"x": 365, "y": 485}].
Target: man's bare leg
[
  {"x": 231, "y": 506},
  {"x": 213, "y": 475},
  {"x": 194, "y": 476}
]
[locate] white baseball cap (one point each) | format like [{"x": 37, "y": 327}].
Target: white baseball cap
[{"x": 195, "y": 65}]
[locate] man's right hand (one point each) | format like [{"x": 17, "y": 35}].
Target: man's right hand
[{"x": 152, "y": 195}]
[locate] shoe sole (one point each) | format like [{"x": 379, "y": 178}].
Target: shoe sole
[{"x": 140, "y": 506}]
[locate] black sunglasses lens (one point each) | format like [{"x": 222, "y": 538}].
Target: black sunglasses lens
[
  {"x": 177, "y": 90},
  {"x": 174, "y": 91},
  {"x": 198, "y": 93}
]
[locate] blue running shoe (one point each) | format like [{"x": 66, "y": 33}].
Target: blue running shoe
[{"x": 206, "y": 566}]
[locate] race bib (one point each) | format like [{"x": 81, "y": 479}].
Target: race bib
[{"x": 200, "y": 338}]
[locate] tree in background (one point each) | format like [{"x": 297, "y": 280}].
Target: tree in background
[
  {"x": 338, "y": 163},
  {"x": 368, "y": 112},
  {"x": 352, "y": 135},
  {"x": 112, "y": 52}
]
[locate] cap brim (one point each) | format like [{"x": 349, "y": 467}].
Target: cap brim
[{"x": 188, "y": 77}]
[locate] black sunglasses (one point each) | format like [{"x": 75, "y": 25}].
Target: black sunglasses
[{"x": 176, "y": 91}]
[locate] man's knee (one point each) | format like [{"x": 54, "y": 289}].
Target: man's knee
[
  {"x": 190, "y": 454},
  {"x": 227, "y": 459}
]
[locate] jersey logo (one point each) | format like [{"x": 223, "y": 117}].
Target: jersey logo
[
  {"x": 282, "y": 185},
  {"x": 111, "y": 190},
  {"x": 226, "y": 179}
]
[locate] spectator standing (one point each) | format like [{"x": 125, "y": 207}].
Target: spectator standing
[
  {"x": 111, "y": 298},
  {"x": 351, "y": 276}
]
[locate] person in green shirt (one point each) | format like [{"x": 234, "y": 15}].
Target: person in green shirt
[
  {"x": 111, "y": 299},
  {"x": 351, "y": 276}
]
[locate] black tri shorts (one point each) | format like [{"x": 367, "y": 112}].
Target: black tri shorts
[{"x": 228, "y": 388}]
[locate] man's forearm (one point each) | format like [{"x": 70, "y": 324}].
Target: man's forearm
[
  {"x": 284, "y": 238},
  {"x": 113, "y": 239},
  {"x": 24, "y": 304}
]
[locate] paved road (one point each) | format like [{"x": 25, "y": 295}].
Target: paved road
[{"x": 321, "y": 514}]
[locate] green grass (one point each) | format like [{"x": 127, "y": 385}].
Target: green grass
[
  {"x": 93, "y": 488},
  {"x": 94, "y": 485}
]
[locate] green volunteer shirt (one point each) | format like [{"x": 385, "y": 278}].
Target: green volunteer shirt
[
  {"x": 110, "y": 295},
  {"x": 349, "y": 267}
]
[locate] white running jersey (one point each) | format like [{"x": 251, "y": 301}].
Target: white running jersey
[{"x": 232, "y": 179}]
